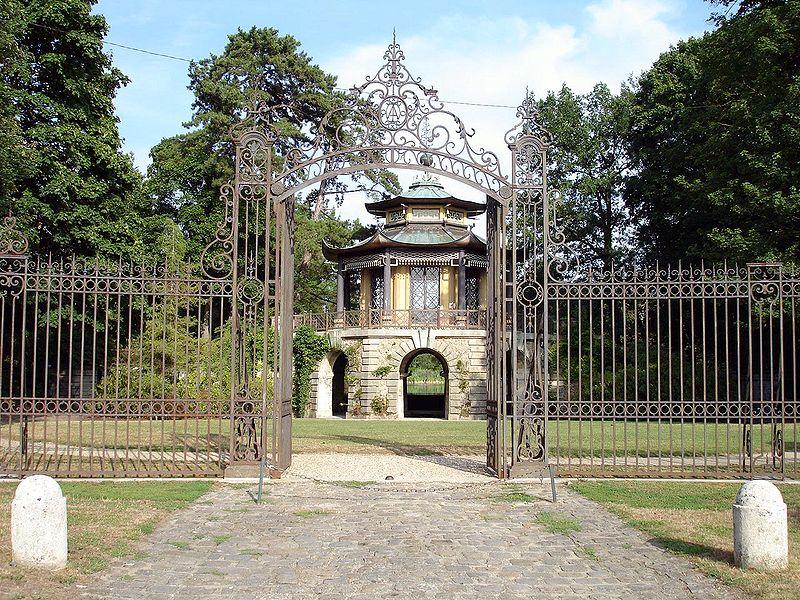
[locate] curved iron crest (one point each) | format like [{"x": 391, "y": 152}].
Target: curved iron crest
[{"x": 392, "y": 120}]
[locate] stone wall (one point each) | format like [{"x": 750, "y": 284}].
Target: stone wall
[{"x": 380, "y": 353}]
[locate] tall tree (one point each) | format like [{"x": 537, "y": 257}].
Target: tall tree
[
  {"x": 716, "y": 141},
  {"x": 72, "y": 188},
  {"x": 589, "y": 162},
  {"x": 188, "y": 169},
  {"x": 256, "y": 65},
  {"x": 15, "y": 156}
]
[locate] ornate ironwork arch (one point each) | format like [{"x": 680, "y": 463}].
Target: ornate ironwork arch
[
  {"x": 497, "y": 188},
  {"x": 394, "y": 121}
]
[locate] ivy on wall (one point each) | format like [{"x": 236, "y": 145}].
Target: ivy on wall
[
  {"x": 352, "y": 377},
  {"x": 309, "y": 349}
]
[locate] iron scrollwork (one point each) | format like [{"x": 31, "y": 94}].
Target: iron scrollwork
[
  {"x": 530, "y": 256},
  {"x": 391, "y": 120},
  {"x": 13, "y": 242}
]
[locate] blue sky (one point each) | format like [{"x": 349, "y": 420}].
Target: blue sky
[{"x": 486, "y": 52}]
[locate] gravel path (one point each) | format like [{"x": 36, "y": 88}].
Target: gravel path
[
  {"x": 377, "y": 467},
  {"x": 436, "y": 531}
]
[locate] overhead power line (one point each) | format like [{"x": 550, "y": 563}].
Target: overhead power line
[
  {"x": 133, "y": 48},
  {"x": 147, "y": 51},
  {"x": 189, "y": 60}
]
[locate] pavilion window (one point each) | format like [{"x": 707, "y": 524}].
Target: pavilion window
[
  {"x": 376, "y": 289},
  {"x": 425, "y": 294},
  {"x": 428, "y": 214},
  {"x": 353, "y": 291},
  {"x": 376, "y": 297}
]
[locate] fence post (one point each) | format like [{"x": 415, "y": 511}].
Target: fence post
[{"x": 765, "y": 366}]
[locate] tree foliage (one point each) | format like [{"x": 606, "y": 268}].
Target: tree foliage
[
  {"x": 62, "y": 169},
  {"x": 188, "y": 169},
  {"x": 588, "y": 164},
  {"x": 716, "y": 141}
]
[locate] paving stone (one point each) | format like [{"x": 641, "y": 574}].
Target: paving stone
[{"x": 396, "y": 540}]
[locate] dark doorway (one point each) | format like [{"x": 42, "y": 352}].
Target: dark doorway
[
  {"x": 424, "y": 375},
  {"x": 338, "y": 388}
]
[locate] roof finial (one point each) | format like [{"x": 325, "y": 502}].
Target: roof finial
[
  {"x": 425, "y": 179},
  {"x": 394, "y": 35}
]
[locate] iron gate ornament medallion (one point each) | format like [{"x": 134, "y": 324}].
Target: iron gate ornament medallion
[
  {"x": 251, "y": 290},
  {"x": 393, "y": 113}
]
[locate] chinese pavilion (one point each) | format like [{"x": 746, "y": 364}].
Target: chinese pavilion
[{"x": 408, "y": 333}]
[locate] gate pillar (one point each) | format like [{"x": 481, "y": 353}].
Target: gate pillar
[{"x": 284, "y": 310}]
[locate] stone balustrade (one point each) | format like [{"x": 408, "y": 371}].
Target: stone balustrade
[{"x": 379, "y": 318}]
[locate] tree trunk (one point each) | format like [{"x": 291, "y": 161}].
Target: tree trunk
[
  {"x": 316, "y": 212},
  {"x": 608, "y": 233}
]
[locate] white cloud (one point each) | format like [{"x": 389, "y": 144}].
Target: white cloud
[
  {"x": 631, "y": 19},
  {"x": 493, "y": 61}
]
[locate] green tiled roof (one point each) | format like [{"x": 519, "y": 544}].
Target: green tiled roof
[
  {"x": 426, "y": 192},
  {"x": 424, "y": 234},
  {"x": 426, "y": 189}
]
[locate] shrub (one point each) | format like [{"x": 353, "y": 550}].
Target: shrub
[
  {"x": 309, "y": 349},
  {"x": 379, "y": 405}
]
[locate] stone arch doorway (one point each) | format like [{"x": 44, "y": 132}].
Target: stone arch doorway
[
  {"x": 332, "y": 397},
  {"x": 425, "y": 376},
  {"x": 339, "y": 395}
]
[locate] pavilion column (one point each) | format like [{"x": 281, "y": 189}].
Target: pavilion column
[
  {"x": 387, "y": 283},
  {"x": 339, "y": 289},
  {"x": 462, "y": 281}
]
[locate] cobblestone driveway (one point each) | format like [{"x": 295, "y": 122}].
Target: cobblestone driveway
[{"x": 323, "y": 540}]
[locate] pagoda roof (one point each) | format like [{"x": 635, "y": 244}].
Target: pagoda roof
[
  {"x": 426, "y": 192},
  {"x": 418, "y": 237}
]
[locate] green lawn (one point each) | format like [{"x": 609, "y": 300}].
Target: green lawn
[
  {"x": 604, "y": 438},
  {"x": 400, "y": 437},
  {"x": 104, "y": 521},
  {"x": 693, "y": 519}
]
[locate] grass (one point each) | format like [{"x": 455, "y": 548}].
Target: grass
[
  {"x": 396, "y": 437},
  {"x": 555, "y": 523},
  {"x": 425, "y": 388},
  {"x": 567, "y": 438},
  {"x": 693, "y": 520},
  {"x": 588, "y": 552},
  {"x": 514, "y": 494},
  {"x": 104, "y": 521},
  {"x": 307, "y": 514}
]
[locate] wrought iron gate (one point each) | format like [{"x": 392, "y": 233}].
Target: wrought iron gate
[
  {"x": 117, "y": 369},
  {"x": 684, "y": 372}
]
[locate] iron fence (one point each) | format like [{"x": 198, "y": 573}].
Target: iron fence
[
  {"x": 112, "y": 369},
  {"x": 675, "y": 372},
  {"x": 121, "y": 369}
]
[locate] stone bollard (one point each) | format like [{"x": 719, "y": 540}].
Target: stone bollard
[
  {"x": 39, "y": 524},
  {"x": 760, "y": 530}
]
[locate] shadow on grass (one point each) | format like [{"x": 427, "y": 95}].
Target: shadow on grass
[
  {"x": 684, "y": 548},
  {"x": 393, "y": 447}
]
